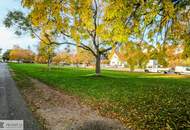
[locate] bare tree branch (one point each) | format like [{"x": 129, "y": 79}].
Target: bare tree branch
[{"x": 83, "y": 46}]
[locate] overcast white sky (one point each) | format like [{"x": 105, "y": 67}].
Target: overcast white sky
[{"x": 7, "y": 36}]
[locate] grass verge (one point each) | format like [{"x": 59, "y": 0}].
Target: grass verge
[{"x": 139, "y": 100}]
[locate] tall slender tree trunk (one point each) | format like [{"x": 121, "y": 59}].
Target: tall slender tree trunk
[
  {"x": 49, "y": 63},
  {"x": 98, "y": 69}
]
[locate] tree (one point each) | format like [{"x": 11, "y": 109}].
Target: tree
[
  {"x": 136, "y": 54},
  {"x": 174, "y": 55},
  {"x": 158, "y": 16},
  {"x": 161, "y": 55},
  {"x": 46, "y": 48},
  {"x": 130, "y": 51},
  {"x": 85, "y": 57},
  {"x": 6, "y": 56},
  {"x": 186, "y": 52},
  {"x": 160, "y": 21},
  {"x": 105, "y": 23},
  {"x": 23, "y": 25},
  {"x": 82, "y": 21},
  {"x": 75, "y": 60},
  {"x": 63, "y": 57},
  {"x": 40, "y": 59},
  {"x": 186, "y": 62},
  {"x": 20, "y": 54}
]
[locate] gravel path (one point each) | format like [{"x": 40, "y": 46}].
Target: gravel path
[{"x": 12, "y": 105}]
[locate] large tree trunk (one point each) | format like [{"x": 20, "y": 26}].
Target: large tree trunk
[{"x": 98, "y": 69}]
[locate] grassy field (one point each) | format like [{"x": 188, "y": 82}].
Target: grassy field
[{"x": 139, "y": 100}]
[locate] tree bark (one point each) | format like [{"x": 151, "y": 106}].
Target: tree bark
[
  {"x": 49, "y": 63},
  {"x": 98, "y": 69}
]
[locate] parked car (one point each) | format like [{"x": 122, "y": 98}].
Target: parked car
[
  {"x": 151, "y": 69},
  {"x": 159, "y": 70},
  {"x": 164, "y": 70},
  {"x": 182, "y": 70}
]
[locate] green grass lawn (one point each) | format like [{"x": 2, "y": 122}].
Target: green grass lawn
[{"x": 140, "y": 100}]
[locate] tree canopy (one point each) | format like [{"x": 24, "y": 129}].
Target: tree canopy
[{"x": 100, "y": 25}]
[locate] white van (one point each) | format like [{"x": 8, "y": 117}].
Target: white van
[
  {"x": 152, "y": 66},
  {"x": 182, "y": 70}
]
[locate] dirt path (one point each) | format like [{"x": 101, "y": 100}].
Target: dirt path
[{"x": 64, "y": 112}]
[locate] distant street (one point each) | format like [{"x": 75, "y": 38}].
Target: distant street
[{"x": 12, "y": 105}]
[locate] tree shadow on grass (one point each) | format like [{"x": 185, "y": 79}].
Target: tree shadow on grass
[
  {"x": 99, "y": 125},
  {"x": 93, "y": 75}
]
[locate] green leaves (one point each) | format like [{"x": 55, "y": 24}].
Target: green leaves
[{"x": 18, "y": 20}]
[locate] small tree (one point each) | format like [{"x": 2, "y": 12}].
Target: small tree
[
  {"x": 131, "y": 54},
  {"x": 161, "y": 55},
  {"x": 85, "y": 57},
  {"x": 63, "y": 57},
  {"x": 6, "y": 56},
  {"x": 136, "y": 54},
  {"x": 46, "y": 48},
  {"x": 40, "y": 59},
  {"x": 20, "y": 54}
]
